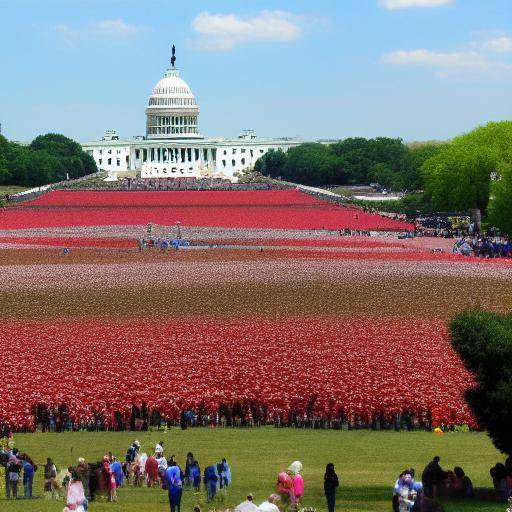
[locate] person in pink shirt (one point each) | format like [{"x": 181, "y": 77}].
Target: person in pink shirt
[{"x": 294, "y": 471}]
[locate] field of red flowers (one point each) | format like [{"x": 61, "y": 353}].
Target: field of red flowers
[
  {"x": 315, "y": 325},
  {"x": 279, "y": 209}
]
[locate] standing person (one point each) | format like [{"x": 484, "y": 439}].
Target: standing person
[
  {"x": 50, "y": 479},
  {"x": 195, "y": 476},
  {"x": 174, "y": 486},
  {"x": 188, "y": 464},
  {"x": 151, "y": 469},
  {"x": 117, "y": 470},
  {"x": 331, "y": 483},
  {"x": 294, "y": 470},
  {"x": 83, "y": 473},
  {"x": 210, "y": 479},
  {"x": 75, "y": 499},
  {"x": 224, "y": 472},
  {"x": 285, "y": 487},
  {"x": 28, "y": 477},
  {"x": 14, "y": 470}
]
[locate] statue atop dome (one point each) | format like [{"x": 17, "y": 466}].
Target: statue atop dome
[{"x": 173, "y": 58}]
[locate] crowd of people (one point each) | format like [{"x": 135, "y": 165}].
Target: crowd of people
[
  {"x": 84, "y": 482},
  {"x": 484, "y": 247},
  {"x": 410, "y": 495}
]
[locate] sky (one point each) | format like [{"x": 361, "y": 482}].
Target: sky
[{"x": 323, "y": 69}]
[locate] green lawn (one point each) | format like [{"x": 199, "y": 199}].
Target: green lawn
[
  {"x": 11, "y": 189},
  {"x": 366, "y": 462}
]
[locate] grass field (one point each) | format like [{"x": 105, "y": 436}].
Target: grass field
[
  {"x": 11, "y": 189},
  {"x": 367, "y": 463}
]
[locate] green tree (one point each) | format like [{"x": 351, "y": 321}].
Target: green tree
[
  {"x": 500, "y": 207},
  {"x": 411, "y": 177},
  {"x": 458, "y": 177},
  {"x": 271, "y": 163},
  {"x": 484, "y": 342}
]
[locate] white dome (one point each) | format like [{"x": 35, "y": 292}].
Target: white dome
[
  {"x": 172, "y": 111},
  {"x": 172, "y": 87}
]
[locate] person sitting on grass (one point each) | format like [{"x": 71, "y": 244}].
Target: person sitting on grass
[
  {"x": 270, "y": 504},
  {"x": 247, "y": 505},
  {"x": 462, "y": 485}
]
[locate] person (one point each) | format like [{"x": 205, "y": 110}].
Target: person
[
  {"x": 108, "y": 479},
  {"x": 174, "y": 486},
  {"x": 406, "y": 499},
  {"x": 285, "y": 487},
  {"x": 159, "y": 449},
  {"x": 117, "y": 470},
  {"x": 224, "y": 472},
  {"x": 51, "y": 488},
  {"x": 14, "y": 470},
  {"x": 247, "y": 505},
  {"x": 132, "y": 452},
  {"x": 195, "y": 475},
  {"x": 161, "y": 462},
  {"x": 270, "y": 504},
  {"x": 75, "y": 499},
  {"x": 431, "y": 477},
  {"x": 82, "y": 470},
  {"x": 297, "y": 482},
  {"x": 188, "y": 464},
  {"x": 28, "y": 477},
  {"x": 210, "y": 479},
  {"x": 151, "y": 469},
  {"x": 462, "y": 485},
  {"x": 331, "y": 483}
]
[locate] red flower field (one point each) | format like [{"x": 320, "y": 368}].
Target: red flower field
[
  {"x": 315, "y": 324},
  {"x": 320, "y": 365},
  {"x": 278, "y": 209}
]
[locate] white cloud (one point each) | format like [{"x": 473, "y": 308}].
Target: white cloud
[
  {"x": 450, "y": 61},
  {"x": 394, "y": 5},
  {"x": 499, "y": 45},
  {"x": 226, "y": 31},
  {"x": 114, "y": 30}
]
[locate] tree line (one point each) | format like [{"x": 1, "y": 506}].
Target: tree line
[
  {"x": 472, "y": 171},
  {"x": 47, "y": 159}
]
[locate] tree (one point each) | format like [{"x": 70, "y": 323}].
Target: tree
[
  {"x": 271, "y": 163},
  {"x": 411, "y": 177},
  {"x": 483, "y": 340},
  {"x": 500, "y": 207},
  {"x": 458, "y": 177}
]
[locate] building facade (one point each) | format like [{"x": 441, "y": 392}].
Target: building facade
[{"x": 173, "y": 145}]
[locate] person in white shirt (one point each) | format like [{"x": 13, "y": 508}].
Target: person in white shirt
[
  {"x": 247, "y": 505},
  {"x": 270, "y": 504}
]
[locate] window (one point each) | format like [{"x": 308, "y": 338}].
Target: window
[
  {"x": 110, "y": 161},
  {"x": 118, "y": 151},
  {"x": 109, "y": 151},
  {"x": 99, "y": 161},
  {"x": 242, "y": 150},
  {"x": 233, "y": 163},
  {"x": 234, "y": 151},
  {"x": 261, "y": 151},
  {"x": 118, "y": 162},
  {"x": 252, "y": 153},
  {"x": 223, "y": 163},
  {"x": 101, "y": 151},
  {"x": 225, "y": 152},
  {"x": 243, "y": 161}
]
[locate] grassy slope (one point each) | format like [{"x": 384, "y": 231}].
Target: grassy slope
[
  {"x": 367, "y": 463},
  {"x": 11, "y": 189}
]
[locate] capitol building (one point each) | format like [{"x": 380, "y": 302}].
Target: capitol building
[{"x": 173, "y": 145}]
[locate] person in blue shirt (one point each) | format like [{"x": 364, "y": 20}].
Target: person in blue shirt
[
  {"x": 195, "y": 475},
  {"x": 28, "y": 478},
  {"x": 210, "y": 479},
  {"x": 117, "y": 469},
  {"x": 174, "y": 484}
]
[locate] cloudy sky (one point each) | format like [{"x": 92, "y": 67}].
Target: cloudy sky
[{"x": 417, "y": 69}]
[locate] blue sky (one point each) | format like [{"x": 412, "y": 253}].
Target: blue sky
[{"x": 416, "y": 69}]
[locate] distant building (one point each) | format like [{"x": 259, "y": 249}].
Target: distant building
[{"x": 173, "y": 145}]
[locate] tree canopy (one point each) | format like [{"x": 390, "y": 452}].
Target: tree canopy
[
  {"x": 484, "y": 342},
  {"x": 49, "y": 158},
  {"x": 458, "y": 177},
  {"x": 386, "y": 161}
]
